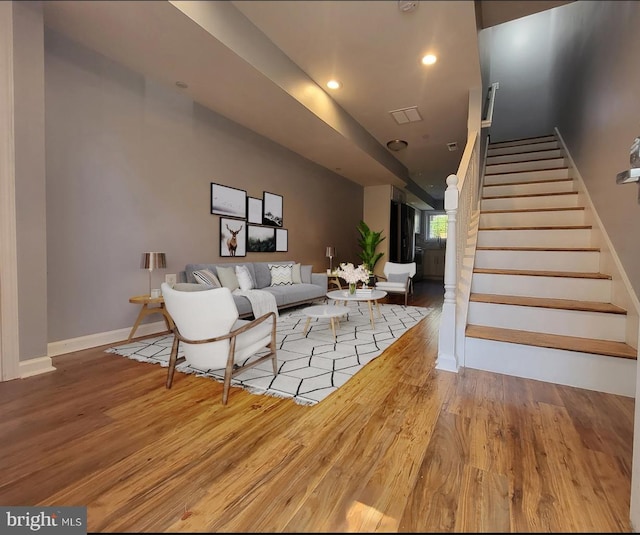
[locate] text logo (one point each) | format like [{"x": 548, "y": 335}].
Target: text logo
[{"x": 46, "y": 520}]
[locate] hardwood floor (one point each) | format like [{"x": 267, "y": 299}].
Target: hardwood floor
[{"x": 401, "y": 447}]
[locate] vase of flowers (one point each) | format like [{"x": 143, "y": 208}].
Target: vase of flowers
[{"x": 353, "y": 275}]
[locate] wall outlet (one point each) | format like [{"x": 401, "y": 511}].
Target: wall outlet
[{"x": 170, "y": 279}]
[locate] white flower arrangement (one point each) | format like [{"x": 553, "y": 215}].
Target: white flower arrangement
[{"x": 352, "y": 274}]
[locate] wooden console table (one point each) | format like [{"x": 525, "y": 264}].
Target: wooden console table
[{"x": 145, "y": 310}]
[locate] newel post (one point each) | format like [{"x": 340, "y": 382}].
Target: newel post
[{"x": 447, "y": 337}]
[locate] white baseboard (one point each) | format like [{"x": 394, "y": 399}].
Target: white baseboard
[
  {"x": 99, "y": 339},
  {"x": 35, "y": 366}
]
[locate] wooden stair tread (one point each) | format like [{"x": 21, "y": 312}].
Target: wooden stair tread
[
  {"x": 513, "y": 210},
  {"x": 540, "y": 273},
  {"x": 553, "y": 341},
  {"x": 523, "y": 140},
  {"x": 551, "y": 249},
  {"x": 523, "y": 153},
  {"x": 527, "y": 171},
  {"x": 524, "y": 161},
  {"x": 548, "y": 227},
  {"x": 546, "y": 302},
  {"x": 551, "y": 194},
  {"x": 527, "y": 182}
]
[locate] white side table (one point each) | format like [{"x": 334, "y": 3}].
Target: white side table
[{"x": 330, "y": 312}]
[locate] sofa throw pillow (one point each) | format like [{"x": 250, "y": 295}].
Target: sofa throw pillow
[
  {"x": 281, "y": 274},
  {"x": 305, "y": 274},
  {"x": 228, "y": 279},
  {"x": 244, "y": 278},
  {"x": 398, "y": 277},
  {"x": 206, "y": 277},
  {"x": 296, "y": 275}
]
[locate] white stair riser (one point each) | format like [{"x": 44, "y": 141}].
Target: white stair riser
[
  {"x": 536, "y": 286},
  {"x": 531, "y": 219},
  {"x": 535, "y": 238},
  {"x": 571, "y": 368},
  {"x": 522, "y": 203},
  {"x": 526, "y": 176},
  {"x": 526, "y": 156},
  {"x": 525, "y": 166},
  {"x": 578, "y": 323},
  {"x": 527, "y": 189},
  {"x": 586, "y": 261},
  {"x": 517, "y": 149}
]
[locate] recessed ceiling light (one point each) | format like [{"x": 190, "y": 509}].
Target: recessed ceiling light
[
  {"x": 429, "y": 59},
  {"x": 181, "y": 85},
  {"x": 334, "y": 84}
]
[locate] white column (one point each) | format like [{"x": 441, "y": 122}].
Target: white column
[
  {"x": 9, "y": 334},
  {"x": 447, "y": 336}
]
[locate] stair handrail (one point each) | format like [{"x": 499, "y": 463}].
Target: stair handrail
[
  {"x": 491, "y": 98},
  {"x": 461, "y": 202}
]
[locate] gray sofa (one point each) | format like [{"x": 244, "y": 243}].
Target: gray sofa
[{"x": 314, "y": 285}]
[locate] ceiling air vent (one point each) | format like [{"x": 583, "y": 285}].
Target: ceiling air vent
[
  {"x": 406, "y": 115},
  {"x": 453, "y": 146}
]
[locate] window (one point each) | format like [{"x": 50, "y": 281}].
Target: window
[
  {"x": 416, "y": 223},
  {"x": 438, "y": 226}
]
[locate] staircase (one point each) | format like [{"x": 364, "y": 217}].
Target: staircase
[{"x": 539, "y": 306}]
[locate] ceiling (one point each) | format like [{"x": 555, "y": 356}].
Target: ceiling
[{"x": 264, "y": 64}]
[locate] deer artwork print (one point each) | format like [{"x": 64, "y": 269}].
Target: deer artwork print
[{"x": 232, "y": 242}]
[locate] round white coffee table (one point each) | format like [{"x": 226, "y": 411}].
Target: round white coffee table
[
  {"x": 330, "y": 312},
  {"x": 370, "y": 297}
]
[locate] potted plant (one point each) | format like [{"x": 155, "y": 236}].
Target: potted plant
[{"x": 369, "y": 241}]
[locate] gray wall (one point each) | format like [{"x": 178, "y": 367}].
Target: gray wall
[
  {"x": 521, "y": 53},
  {"x": 598, "y": 108},
  {"x": 129, "y": 165}
]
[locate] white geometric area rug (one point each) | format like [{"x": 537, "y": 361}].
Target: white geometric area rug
[{"x": 310, "y": 367}]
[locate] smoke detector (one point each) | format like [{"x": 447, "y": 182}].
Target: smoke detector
[
  {"x": 406, "y": 6},
  {"x": 397, "y": 144},
  {"x": 453, "y": 146}
]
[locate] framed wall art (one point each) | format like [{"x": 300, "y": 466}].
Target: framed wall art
[
  {"x": 228, "y": 201},
  {"x": 261, "y": 239},
  {"x": 233, "y": 237},
  {"x": 282, "y": 238},
  {"x": 254, "y": 210},
  {"x": 271, "y": 209}
]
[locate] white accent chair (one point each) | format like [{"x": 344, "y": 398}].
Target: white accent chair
[
  {"x": 206, "y": 323},
  {"x": 398, "y": 278}
]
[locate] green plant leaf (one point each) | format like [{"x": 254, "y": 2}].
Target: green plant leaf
[{"x": 368, "y": 242}]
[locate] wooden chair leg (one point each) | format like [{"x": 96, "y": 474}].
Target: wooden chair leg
[
  {"x": 272, "y": 348},
  {"x": 172, "y": 361},
  {"x": 228, "y": 371}
]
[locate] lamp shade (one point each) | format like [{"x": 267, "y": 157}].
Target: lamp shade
[
  {"x": 331, "y": 252},
  {"x": 153, "y": 261}
]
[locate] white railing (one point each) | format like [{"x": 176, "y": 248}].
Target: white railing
[{"x": 461, "y": 203}]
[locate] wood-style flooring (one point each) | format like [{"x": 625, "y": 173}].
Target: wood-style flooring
[{"x": 401, "y": 447}]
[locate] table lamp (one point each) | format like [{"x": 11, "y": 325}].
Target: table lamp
[
  {"x": 151, "y": 261},
  {"x": 331, "y": 252}
]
